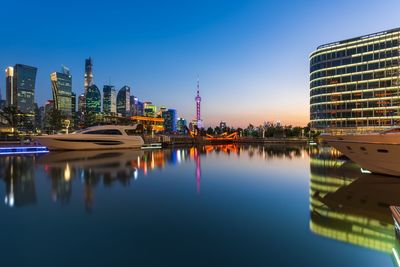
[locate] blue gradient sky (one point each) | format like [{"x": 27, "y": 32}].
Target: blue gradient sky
[{"x": 252, "y": 56}]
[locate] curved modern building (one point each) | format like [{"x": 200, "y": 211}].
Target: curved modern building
[
  {"x": 61, "y": 85},
  {"x": 123, "y": 101},
  {"x": 354, "y": 83},
  {"x": 93, "y": 99}
]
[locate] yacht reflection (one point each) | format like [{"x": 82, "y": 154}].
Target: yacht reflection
[
  {"x": 19, "y": 177},
  {"x": 349, "y": 206},
  {"x": 111, "y": 167}
]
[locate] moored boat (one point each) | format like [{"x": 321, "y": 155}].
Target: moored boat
[
  {"x": 376, "y": 152},
  {"x": 97, "y": 137}
]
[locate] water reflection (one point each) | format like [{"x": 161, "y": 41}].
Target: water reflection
[
  {"x": 106, "y": 168},
  {"x": 350, "y": 206}
]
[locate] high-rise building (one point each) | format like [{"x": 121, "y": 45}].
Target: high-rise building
[
  {"x": 198, "y": 101},
  {"x": 181, "y": 125},
  {"x": 20, "y": 87},
  {"x": 73, "y": 103},
  {"x": 11, "y": 95},
  {"x": 169, "y": 117},
  {"x": 140, "y": 108},
  {"x": 354, "y": 83},
  {"x": 82, "y": 103},
  {"x": 109, "y": 99},
  {"x": 123, "y": 101},
  {"x": 88, "y": 73},
  {"x": 134, "y": 101},
  {"x": 93, "y": 99},
  {"x": 61, "y": 84}
]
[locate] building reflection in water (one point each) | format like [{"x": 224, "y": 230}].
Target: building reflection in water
[
  {"x": 19, "y": 177},
  {"x": 350, "y": 206},
  {"x": 106, "y": 168}
]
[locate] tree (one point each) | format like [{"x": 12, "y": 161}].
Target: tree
[
  {"x": 210, "y": 130},
  {"x": 89, "y": 119},
  {"x": 56, "y": 119}
]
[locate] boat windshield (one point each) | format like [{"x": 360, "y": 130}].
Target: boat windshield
[{"x": 105, "y": 131}]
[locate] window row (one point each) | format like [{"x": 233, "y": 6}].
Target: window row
[
  {"x": 355, "y": 50},
  {"x": 354, "y": 60},
  {"x": 359, "y": 68},
  {"x": 357, "y": 78},
  {"x": 355, "y": 123}
]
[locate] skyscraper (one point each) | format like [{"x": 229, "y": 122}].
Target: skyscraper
[
  {"x": 169, "y": 117},
  {"x": 20, "y": 87},
  {"x": 11, "y": 95},
  {"x": 73, "y": 103},
  {"x": 88, "y": 73},
  {"x": 93, "y": 99},
  {"x": 81, "y": 103},
  {"x": 61, "y": 84},
  {"x": 123, "y": 101},
  {"x": 109, "y": 99}
]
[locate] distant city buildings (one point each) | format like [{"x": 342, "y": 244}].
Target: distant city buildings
[
  {"x": 20, "y": 87},
  {"x": 170, "y": 121},
  {"x": 109, "y": 99},
  {"x": 61, "y": 84},
  {"x": 354, "y": 83},
  {"x": 121, "y": 107},
  {"x": 181, "y": 125},
  {"x": 93, "y": 99},
  {"x": 150, "y": 110},
  {"x": 88, "y": 73},
  {"x": 123, "y": 101}
]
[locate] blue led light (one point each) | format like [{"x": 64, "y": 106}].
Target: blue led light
[{"x": 23, "y": 150}]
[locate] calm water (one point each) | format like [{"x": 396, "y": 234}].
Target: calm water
[{"x": 211, "y": 206}]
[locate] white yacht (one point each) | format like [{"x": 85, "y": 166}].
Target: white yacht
[
  {"x": 97, "y": 137},
  {"x": 376, "y": 152}
]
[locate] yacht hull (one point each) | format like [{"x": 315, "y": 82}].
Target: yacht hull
[
  {"x": 376, "y": 153},
  {"x": 77, "y": 142}
]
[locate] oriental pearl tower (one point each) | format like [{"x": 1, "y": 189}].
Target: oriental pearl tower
[{"x": 198, "y": 101}]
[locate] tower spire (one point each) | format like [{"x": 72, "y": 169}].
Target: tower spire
[{"x": 198, "y": 101}]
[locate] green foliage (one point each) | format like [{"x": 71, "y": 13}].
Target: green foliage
[{"x": 56, "y": 119}]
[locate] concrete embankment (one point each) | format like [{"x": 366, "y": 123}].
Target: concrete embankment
[{"x": 173, "y": 140}]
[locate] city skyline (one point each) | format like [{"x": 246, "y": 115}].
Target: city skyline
[{"x": 252, "y": 56}]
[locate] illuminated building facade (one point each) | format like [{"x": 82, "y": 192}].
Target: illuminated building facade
[
  {"x": 11, "y": 96},
  {"x": 61, "y": 85},
  {"x": 88, "y": 73},
  {"x": 181, "y": 125},
  {"x": 354, "y": 84},
  {"x": 109, "y": 99},
  {"x": 73, "y": 103},
  {"x": 169, "y": 117},
  {"x": 81, "y": 103},
  {"x": 150, "y": 110},
  {"x": 93, "y": 99},
  {"x": 20, "y": 87},
  {"x": 123, "y": 101},
  {"x": 150, "y": 124}
]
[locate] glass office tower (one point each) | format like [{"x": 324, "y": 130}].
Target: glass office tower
[
  {"x": 61, "y": 85},
  {"x": 123, "y": 101},
  {"x": 354, "y": 84},
  {"x": 109, "y": 99},
  {"x": 93, "y": 99},
  {"x": 23, "y": 88}
]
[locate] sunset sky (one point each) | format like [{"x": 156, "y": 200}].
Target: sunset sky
[{"x": 251, "y": 56}]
